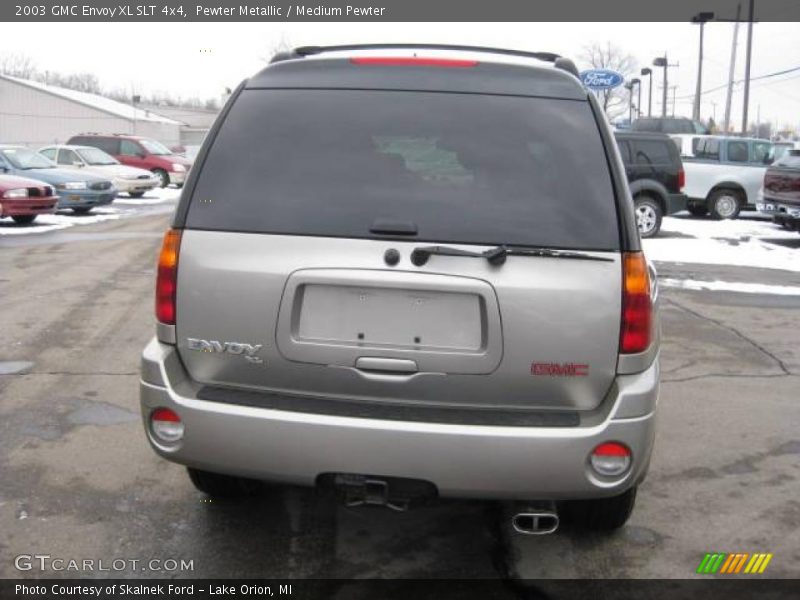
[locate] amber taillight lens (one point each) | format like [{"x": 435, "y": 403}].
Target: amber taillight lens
[{"x": 167, "y": 278}]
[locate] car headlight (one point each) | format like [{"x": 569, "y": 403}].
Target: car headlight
[
  {"x": 72, "y": 185},
  {"x": 16, "y": 193},
  {"x": 178, "y": 168}
]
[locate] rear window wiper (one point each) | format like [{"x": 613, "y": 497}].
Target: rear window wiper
[{"x": 497, "y": 255}]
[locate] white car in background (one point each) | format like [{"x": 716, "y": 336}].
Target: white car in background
[{"x": 93, "y": 160}]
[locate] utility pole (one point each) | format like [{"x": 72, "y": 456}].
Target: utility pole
[
  {"x": 747, "y": 66},
  {"x": 662, "y": 61},
  {"x": 673, "y": 88},
  {"x": 649, "y": 72},
  {"x": 701, "y": 18},
  {"x": 727, "y": 121}
]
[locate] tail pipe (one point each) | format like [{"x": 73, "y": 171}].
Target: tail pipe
[{"x": 535, "y": 520}]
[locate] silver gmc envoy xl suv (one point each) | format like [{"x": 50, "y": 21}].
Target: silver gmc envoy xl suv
[{"x": 409, "y": 271}]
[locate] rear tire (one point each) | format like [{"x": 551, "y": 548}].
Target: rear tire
[
  {"x": 725, "y": 204},
  {"x": 82, "y": 211},
  {"x": 163, "y": 175},
  {"x": 135, "y": 194},
  {"x": 698, "y": 210},
  {"x": 24, "y": 219},
  {"x": 217, "y": 485},
  {"x": 601, "y": 514},
  {"x": 648, "y": 215}
]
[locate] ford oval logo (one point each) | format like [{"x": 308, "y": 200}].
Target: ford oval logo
[{"x": 601, "y": 79}]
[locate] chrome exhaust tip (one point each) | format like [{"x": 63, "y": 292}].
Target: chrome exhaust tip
[{"x": 541, "y": 522}]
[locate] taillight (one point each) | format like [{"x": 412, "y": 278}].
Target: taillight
[
  {"x": 681, "y": 179},
  {"x": 167, "y": 279},
  {"x": 636, "y": 304},
  {"x": 166, "y": 425},
  {"x": 610, "y": 459},
  {"x": 412, "y": 61}
]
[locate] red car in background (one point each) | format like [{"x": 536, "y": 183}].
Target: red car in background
[
  {"x": 140, "y": 152},
  {"x": 24, "y": 199},
  {"x": 781, "y": 192}
]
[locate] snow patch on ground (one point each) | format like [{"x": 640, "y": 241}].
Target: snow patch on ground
[
  {"x": 730, "y": 286},
  {"x": 751, "y": 241}
]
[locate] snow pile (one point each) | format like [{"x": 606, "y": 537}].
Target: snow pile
[{"x": 750, "y": 241}]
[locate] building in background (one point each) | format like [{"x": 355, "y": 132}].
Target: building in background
[
  {"x": 35, "y": 114},
  {"x": 195, "y": 122}
]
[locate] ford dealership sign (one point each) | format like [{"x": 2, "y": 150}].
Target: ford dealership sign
[{"x": 601, "y": 79}]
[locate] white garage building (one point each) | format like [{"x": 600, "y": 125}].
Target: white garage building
[{"x": 35, "y": 114}]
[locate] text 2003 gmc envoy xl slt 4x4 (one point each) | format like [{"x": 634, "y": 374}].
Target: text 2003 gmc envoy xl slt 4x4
[{"x": 409, "y": 273}]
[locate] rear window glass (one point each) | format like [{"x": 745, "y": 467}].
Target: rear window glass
[
  {"x": 737, "y": 151},
  {"x": 707, "y": 149},
  {"x": 652, "y": 152},
  {"x": 463, "y": 168}
]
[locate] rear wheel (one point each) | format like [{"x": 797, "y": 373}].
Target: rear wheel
[
  {"x": 601, "y": 514},
  {"x": 163, "y": 175},
  {"x": 24, "y": 219},
  {"x": 698, "y": 210},
  {"x": 217, "y": 485},
  {"x": 82, "y": 210},
  {"x": 725, "y": 204},
  {"x": 648, "y": 215},
  {"x": 135, "y": 194}
]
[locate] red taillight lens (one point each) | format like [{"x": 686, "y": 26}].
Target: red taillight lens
[
  {"x": 412, "y": 61},
  {"x": 167, "y": 279},
  {"x": 166, "y": 415},
  {"x": 681, "y": 179},
  {"x": 636, "y": 304},
  {"x": 611, "y": 459},
  {"x": 166, "y": 425}
]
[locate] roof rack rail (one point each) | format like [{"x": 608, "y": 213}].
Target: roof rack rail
[{"x": 558, "y": 61}]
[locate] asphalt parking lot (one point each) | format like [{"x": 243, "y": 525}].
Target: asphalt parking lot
[{"x": 79, "y": 481}]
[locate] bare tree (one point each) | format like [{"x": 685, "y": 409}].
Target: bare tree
[
  {"x": 608, "y": 56},
  {"x": 282, "y": 45},
  {"x": 17, "y": 65}
]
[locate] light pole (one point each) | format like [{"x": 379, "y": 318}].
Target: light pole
[
  {"x": 629, "y": 87},
  {"x": 747, "y": 66},
  {"x": 661, "y": 61},
  {"x": 649, "y": 72},
  {"x": 702, "y": 18},
  {"x": 638, "y": 83}
]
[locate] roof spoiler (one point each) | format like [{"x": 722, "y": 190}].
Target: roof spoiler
[{"x": 558, "y": 61}]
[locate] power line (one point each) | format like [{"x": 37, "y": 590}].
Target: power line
[{"x": 784, "y": 72}]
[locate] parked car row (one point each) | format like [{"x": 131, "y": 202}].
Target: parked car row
[{"x": 89, "y": 171}]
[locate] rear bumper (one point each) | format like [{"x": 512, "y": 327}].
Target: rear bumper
[
  {"x": 676, "y": 203},
  {"x": 461, "y": 460}
]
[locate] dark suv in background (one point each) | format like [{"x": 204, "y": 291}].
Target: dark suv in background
[
  {"x": 407, "y": 276},
  {"x": 669, "y": 125},
  {"x": 655, "y": 176}
]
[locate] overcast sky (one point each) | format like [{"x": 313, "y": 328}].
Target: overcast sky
[{"x": 200, "y": 59}]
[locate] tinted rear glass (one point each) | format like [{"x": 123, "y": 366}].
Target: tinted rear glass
[
  {"x": 463, "y": 168},
  {"x": 652, "y": 152}
]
